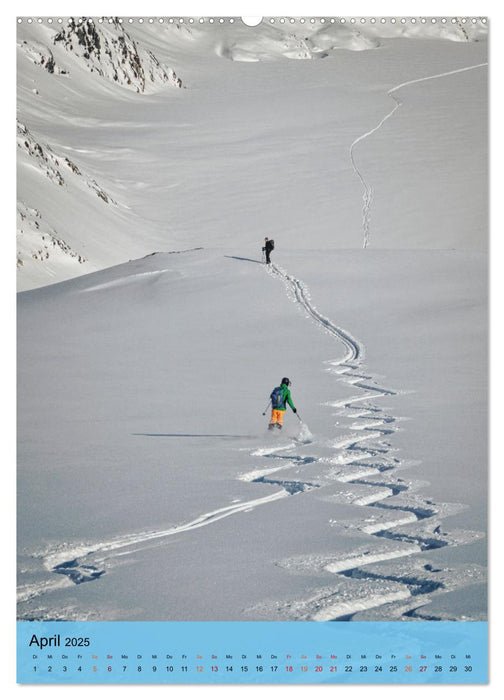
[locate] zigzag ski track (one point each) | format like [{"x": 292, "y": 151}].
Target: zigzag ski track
[
  {"x": 387, "y": 577},
  {"x": 391, "y": 577}
]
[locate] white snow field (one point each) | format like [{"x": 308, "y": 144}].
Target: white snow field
[{"x": 153, "y": 160}]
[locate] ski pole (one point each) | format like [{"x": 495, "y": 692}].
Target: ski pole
[
  {"x": 299, "y": 419},
  {"x": 264, "y": 412}
]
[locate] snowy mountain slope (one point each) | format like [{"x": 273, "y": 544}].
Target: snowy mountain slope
[
  {"x": 309, "y": 40},
  {"x": 149, "y": 487},
  {"x": 38, "y": 242},
  {"x": 58, "y": 68},
  {"x": 154, "y": 462},
  {"x": 105, "y": 48},
  {"x": 191, "y": 167}
]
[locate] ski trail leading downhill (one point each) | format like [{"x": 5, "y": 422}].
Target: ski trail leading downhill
[
  {"x": 368, "y": 189},
  {"x": 82, "y": 563},
  {"x": 364, "y": 458},
  {"x": 299, "y": 292}
]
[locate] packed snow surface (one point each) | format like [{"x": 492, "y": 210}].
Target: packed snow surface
[{"x": 152, "y": 162}]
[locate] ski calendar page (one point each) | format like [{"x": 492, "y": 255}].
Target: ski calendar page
[{"x": 252, "y": 350}]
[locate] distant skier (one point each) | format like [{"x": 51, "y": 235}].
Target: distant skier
[
  {"x": 269, "y": 245},
  {"x": 280, "y": 397}
]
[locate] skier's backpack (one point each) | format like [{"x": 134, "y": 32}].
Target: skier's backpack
[
  {"x": 277, "y": 397},
  {"x": 272, "y": 244}
]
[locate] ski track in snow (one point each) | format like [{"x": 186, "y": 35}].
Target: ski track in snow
[
  {"x": 83, "y": 562},
  {"x": 394, "y": 513},
  {"x": 359, "y": 456},
  {"x": 368, "y": 189},
  {"x": 402, "y": 523}
]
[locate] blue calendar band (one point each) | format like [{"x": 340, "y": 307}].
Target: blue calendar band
[{"x": 252, "y": 652}]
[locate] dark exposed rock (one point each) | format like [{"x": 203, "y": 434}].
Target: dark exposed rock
[{"x": 110, "y": 51}]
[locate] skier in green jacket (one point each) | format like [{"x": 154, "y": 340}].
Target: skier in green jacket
[{"x": 280, "y": 397}]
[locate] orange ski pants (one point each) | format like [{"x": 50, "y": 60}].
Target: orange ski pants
[{"x": 276, "y": 416}]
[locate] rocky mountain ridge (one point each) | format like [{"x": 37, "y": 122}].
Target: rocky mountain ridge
[{"x": 104, "y": 47}]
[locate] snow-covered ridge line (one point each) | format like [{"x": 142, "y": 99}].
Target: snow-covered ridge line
[
  {"x": 56, "y": 167},
  {"x": 36, "y": 239},
  {"x": 368, "y": 189},
  {"x": 105, "y": 49},
  {"x": 301, "y": 40}
]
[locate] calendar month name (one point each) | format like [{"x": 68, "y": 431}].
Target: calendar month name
[{"x": 55, "y": 641}]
